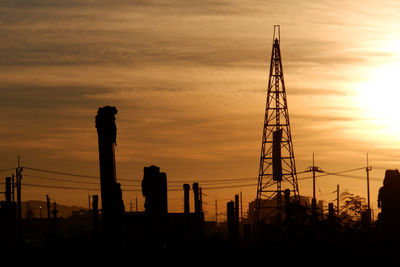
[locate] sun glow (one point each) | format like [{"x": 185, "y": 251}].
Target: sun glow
[{"x": 379, "y": 99}]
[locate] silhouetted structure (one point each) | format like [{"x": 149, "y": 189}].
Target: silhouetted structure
[
  {"x": 389, "y": 202},
  {"x": 18, "y": 172},
  {"x": 236, "y": 218},
  {"x": 186, "y": 189},
  {"x": 277, "y": 169},
  {"x": 157, "y": 228},
  {"x": 269, "y": 212},
  {"x": 154, "y": 189},
  {"x": 196, "y": 193},
  {"x": 8, "y": 218},
  {"x": 95, "y": 216},
  {"x": 230, "y": 211},
  {"x": 55, "y": 219},
  {"x": 111, "y": 194}
]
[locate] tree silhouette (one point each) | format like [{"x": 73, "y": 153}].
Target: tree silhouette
[{"x": 352, "y": 206}]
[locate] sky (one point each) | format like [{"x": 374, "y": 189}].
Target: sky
[{"x": 189, "y": 81}]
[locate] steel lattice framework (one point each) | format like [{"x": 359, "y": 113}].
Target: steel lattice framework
[{"x": 277, "y": 171}]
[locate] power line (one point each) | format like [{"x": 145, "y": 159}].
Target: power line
[
  {"x": 73, "y": 188},
  {"x": 356, "y": 177},
  {"x": 139, "y": 180},
  {"x": 76, "y": 174},
  {"x": 94, "y": 183},
  {"x": 64, "y": 180},
  {"x": 63, "y": 173},
  {"x": 232, "y": 186},
  {"x": 57, "y": 179},
  {"x": 332, "y": 173},
  {"x": 211, "y": 182},
  {"x": 62, "y": 187}
]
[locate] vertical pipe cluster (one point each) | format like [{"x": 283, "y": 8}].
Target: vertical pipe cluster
[{"x": 196, "y": 193}]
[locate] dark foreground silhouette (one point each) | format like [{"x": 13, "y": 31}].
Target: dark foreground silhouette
[{"x": 113, "y": 230}]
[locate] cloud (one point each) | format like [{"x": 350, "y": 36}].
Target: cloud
[{"x": 189, "y": 81}]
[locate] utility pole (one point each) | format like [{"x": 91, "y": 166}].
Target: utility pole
[
  {"x": 338, "y": 200},
  {"x": 368, "y": 169},
  {"x": 241, "y": 206},
  {"x": 89, "y": 202},
  {"x": 48, "y": 208},
  {"x": 13, "y": 187},
  {"x": 19, "y": 178},
  {"x": 314, "y": 169},
  {"x": 216, "y": 212}
]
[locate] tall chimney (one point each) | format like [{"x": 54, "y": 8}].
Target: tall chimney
[
  {"x": 197, "y": 208},
  {"x": 111, "y": 195}
]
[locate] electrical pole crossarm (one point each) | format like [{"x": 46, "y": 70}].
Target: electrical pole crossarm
[{"x": 314, "y": 169}]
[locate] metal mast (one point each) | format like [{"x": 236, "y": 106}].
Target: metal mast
[{"x": 277, "y": 171}]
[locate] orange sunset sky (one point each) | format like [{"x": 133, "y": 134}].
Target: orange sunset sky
[{"x": 189, "y": 80}]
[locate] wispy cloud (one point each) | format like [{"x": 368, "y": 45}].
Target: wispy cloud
[{"x": 188, "y": 79}]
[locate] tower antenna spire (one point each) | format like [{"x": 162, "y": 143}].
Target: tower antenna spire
[{"x": 277, "y": 169}]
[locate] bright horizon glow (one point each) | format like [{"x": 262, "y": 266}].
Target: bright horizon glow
[{"x": 379, "y": 99}]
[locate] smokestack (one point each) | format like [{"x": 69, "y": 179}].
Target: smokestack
[
  {"x": 107, "y": 133},
  {"x": 186, "y": 188},
  {"x": 197, "y": 209},
  {"x": 111, "y": 194}
]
